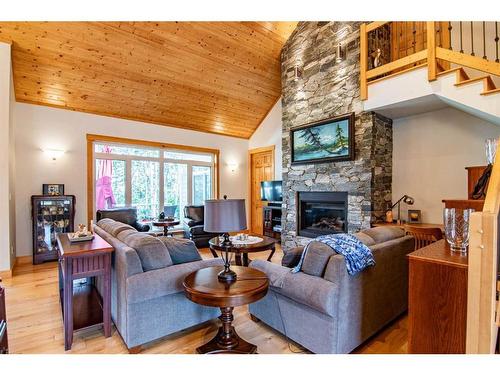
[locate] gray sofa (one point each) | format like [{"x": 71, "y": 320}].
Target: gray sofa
[
  {"x": 148, "y": 300},
  {"x": 325, "y": 309}
]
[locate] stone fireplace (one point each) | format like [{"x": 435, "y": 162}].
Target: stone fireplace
[
  {"x": 326, "y": 88},
  {"x": 321, "y": 212}
]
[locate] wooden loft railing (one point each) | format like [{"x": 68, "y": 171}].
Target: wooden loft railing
[
  {"x": 389, "y": 48},
  {"x": 483, "y": 313}
]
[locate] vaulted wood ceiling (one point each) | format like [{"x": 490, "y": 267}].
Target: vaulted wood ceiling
[{"x": 217, "y": 77}]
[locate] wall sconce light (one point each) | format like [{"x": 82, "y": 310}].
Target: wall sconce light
[
  {"x": 297, "y": 74},
  {"x": 53, "y": 154},
  {"x": 232, "y": 167},
  {"x": 338, "y": 54}
]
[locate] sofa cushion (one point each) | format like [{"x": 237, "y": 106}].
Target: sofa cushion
[
  {"x": 316, "y": 258},
  {"x": 385, "y": 233},
  {"x": 181, "y": 250},
  {"x": 123, "y": 234},
  {"x": 152, "y": 252},
  {"x": 366, "y": 239},
  {"x": 113, "y": 227},
  {"x": 292, "y": 257},
  {"x": 162, "y": 282}
]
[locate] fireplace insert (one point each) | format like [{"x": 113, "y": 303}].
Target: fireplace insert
[{"x": 321, "y": 213}]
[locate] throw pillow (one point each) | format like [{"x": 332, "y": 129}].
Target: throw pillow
[
  {"x": 316, "y": 258},
  {"x": 181, "y": 250},
  {"x": 152, "y": 252}
]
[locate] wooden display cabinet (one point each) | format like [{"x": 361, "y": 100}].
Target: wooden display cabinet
[
  {"x": 272, "y": 221},
  {"x": 51, "y": 214}
]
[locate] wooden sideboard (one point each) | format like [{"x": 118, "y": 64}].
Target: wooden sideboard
[{"x": 437, "y": 306}]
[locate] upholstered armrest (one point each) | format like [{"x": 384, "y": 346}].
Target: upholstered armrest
[
  {"x": 292, "y": 257},
  {"x": 142, "y": 227},
  {"x": 163, "y": 281},
  {"x": 312, "y": 291}
]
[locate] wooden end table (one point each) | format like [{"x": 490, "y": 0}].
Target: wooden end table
[
  {"x": 82, "y": 305},
  {"x": 267, "y": 243},
  {"x": 204, "y": 288},
  {"x": 165, "y": 224}
]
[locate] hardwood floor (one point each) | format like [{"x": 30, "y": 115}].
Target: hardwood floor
[{"x": 35, "y": 323}]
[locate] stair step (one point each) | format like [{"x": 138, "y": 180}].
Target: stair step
[
  {"x": 490, "y": 85},
  {"x": 459, "y": 71},
  {"x": 471, "y": 80},
  {"x": 489, "y": 92}
]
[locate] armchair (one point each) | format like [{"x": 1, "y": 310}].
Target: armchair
[
  {"x": 126, "y": 215},
  {"x": 194, "y": 217}
]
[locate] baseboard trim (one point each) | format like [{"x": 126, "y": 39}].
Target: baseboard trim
[{"x": 27, "y": 259}]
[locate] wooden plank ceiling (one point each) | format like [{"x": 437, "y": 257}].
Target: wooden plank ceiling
[{"x": 216, "y": 77}]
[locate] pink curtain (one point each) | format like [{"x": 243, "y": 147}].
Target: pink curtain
[{"x": 103, "y": 187}]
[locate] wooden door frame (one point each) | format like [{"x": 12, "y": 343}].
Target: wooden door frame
[{"x": 250, "y": 153}]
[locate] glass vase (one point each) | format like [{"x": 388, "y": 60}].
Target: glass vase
[{"x": 456, "y": 227}]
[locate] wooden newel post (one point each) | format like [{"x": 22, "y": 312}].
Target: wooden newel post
[
  {"x": 363, "y": 62},
  {"x": 431, "y": 50}
]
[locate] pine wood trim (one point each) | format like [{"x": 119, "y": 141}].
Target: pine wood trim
[
  {"x": 482, "y": 330},
  {"x": 249, "y": 174},
  {"x": 363, "y": 62},
  {"x": 91, "y": 138},
  {"x": 473, "y": 62},
  {"x": 399, "y": 72},
  {"x": 375, "y": 25},
  {"x": 407, "y": 60},
  {"x": 431, "y": 51}
]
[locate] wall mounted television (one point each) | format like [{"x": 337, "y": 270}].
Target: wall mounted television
[{"x": 271, "y": 191}]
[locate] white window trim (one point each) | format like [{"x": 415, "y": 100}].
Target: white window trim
[{"x": 161, "y": 160}]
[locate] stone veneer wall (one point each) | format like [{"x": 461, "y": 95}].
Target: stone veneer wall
[{"x": 327, "y": 89}]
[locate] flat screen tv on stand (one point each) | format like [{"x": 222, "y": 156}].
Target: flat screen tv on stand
[{"x": 271, "y": 192}]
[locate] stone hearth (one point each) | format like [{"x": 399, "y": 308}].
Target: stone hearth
[{"x": 326, "y": 89}]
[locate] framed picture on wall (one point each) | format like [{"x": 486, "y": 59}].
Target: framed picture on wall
[
  {"x": 414, "y": 216},
  {"x": 53, "y": 189},
  {"x": 328, "y": 140}
]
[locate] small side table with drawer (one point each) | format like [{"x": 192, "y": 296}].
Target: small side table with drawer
[{"x": 82, "y": 304}]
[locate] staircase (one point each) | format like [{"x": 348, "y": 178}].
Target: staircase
[{"x": 429, "y": 78}]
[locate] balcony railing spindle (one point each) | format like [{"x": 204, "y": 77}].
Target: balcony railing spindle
[
  {"x": 461, "y": 44},
  {"x": 450, "y": 27},
  {"x": 484, "y": 41},
  {"x": 414, "y": 37},
  {"x": 496, "y": 41},
  {"x": 472, "y": 38}
]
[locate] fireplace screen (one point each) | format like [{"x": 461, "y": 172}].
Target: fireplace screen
[{"x": 322, "y": 213}]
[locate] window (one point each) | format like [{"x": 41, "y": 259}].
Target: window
[{"x": 151, "y": 178}]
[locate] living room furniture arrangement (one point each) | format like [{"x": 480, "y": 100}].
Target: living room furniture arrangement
[
  {"x": 81, "y": 304},
  {"x": 4, "y": 341},
  {"x": 126, "y": 215},
  {"x": 51, "y": 214},
  {"x": 165, "y": 224},
  {"x": 437, "y": 312},
  {"x": 241, "y": 251},
  {"x": 224, "y": 216},
  {"x": 148, "y": 300},
  {"x": 204, "y": 287},
  {"x": 194, "y": 219},
  {"x": 424, "y": 236},
  {"x": 272, "y": 220},
  {"x": 325, "y": 309}
]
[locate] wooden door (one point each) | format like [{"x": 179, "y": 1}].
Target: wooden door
[{"x": 261, "y": 169}]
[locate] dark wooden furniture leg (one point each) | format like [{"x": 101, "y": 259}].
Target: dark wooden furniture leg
[
  {"x": 226, "y": 340},
  {"x": 253, "y": 318},
  {"x": 68, "y": 306},
  {"x": 237, "y": 257},
  {"x": 245, "y": 259},
  {"x": 135, "y": 349},
  {"x": 271, "y": 255},
  {"x": 165, "y": 230},
  {"x": 106, "y": 303},
  {"x": 214, "y": 253}
]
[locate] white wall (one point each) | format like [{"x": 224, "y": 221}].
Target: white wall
[
  {"x": 269, "y": 134},
  {"x": 39, "y": 127},
  {"x": 5, "y": 153},
  {"x": 431, "y": 151}
]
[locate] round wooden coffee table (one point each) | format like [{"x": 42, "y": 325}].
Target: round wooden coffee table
[
  {"x": 204, "y": 288},
  {"x": 267, "y": 243},
  {"x": 165, "y": 224}
]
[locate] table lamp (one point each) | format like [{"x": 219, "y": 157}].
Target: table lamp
[
  {"x": 405, "y": 198},
  {"x": 224, "y": 216}
]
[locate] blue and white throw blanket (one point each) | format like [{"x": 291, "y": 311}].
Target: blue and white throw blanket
[{"x": 357, "y": 255}]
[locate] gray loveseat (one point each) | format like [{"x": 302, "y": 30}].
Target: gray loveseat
[
  {"x": 148, "y": 300},
  {"x": 326, "y": 310}
]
